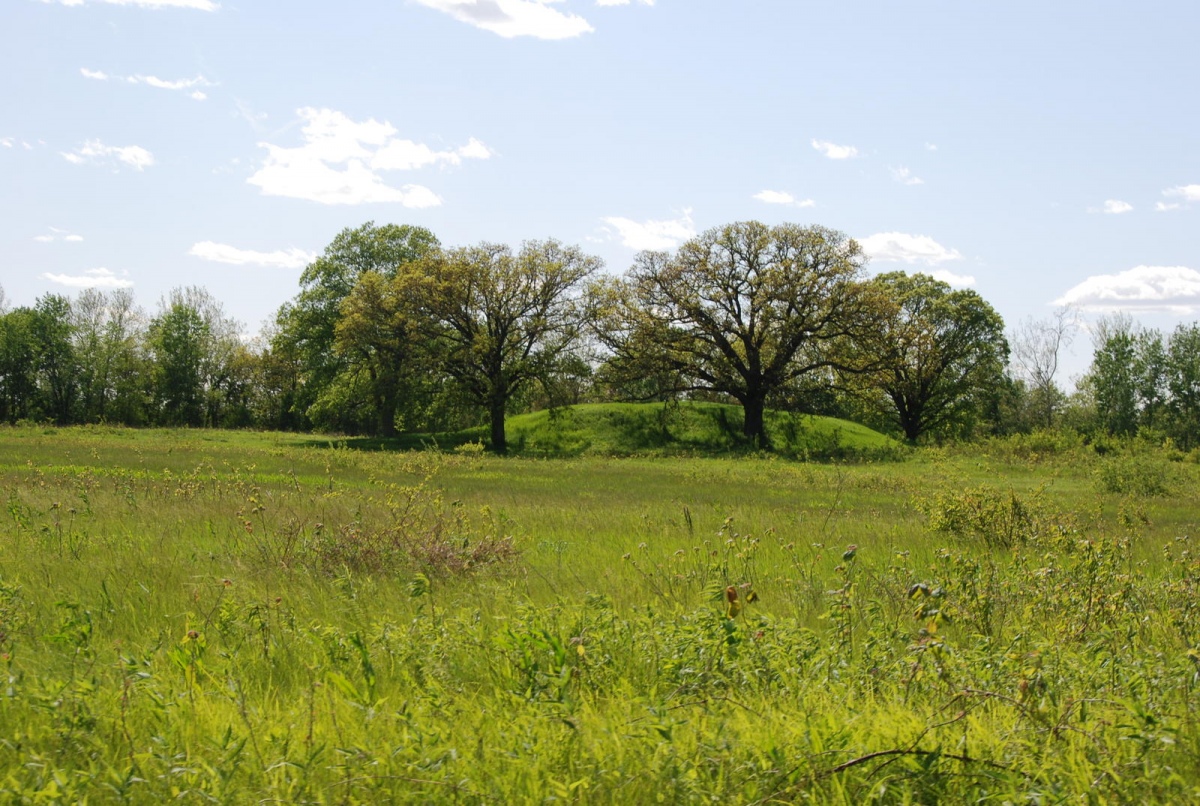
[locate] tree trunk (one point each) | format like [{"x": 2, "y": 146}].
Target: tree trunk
[
  {"x": 496, "y": 407},
  {"x": 754, "y": 427},
  {"x": 387, "y": 413}
]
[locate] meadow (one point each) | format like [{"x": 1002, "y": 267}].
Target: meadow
[{"x": 235, "y": 617}]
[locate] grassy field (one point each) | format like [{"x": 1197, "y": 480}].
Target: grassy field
[{"x": 234, "y": 618}]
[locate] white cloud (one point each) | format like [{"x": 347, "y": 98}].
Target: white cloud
[
  {"x": 405, "y": 155},
  {"x": 223, "y": 253},
  {"x": 7, "y": 142},
  {"x": 154, "y": 81},
  {"x": 1145, "y": 289},
  {"x": 783, "y": 197},
  {"x": 623, "y": 2},
  {"x": 1163, "y": 207},
  {"x": 95, "y": 151},
  {"x": 512, "y": 18},
  {"x": 905, "y": 177},
  {"x": 1112, "y": 207},
  {"x": 163, "y": 84},
  {"x": 931, "y": 147},
  {"x": 92, "y": 278},
  {"x": 950, "y": 278},
  {"x": 657, "y": 235},
  {"x": 59, "y": 235},
  {"x": 200, "y": 5},
  {"x": 340, "y": 162},
  {"x": 900, "y": 247},
  {"x": 1189, "y": 193},
  {"x": 834, "y": 151}
]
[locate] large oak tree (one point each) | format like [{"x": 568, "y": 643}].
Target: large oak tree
[
  {"x": 500, "y": 319},
  {"x": 744, "y": 310},
  {"x": 940, "y": 352}
]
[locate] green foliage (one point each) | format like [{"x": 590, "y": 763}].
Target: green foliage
[
  {"x": 778, "y": 631},
  {"x": 992, "y": 517},
  {"x": 1136, "y": 474},
  {"x": 743, "y": 310},
  {"x": 504, "y": 320},
  {"x": 307, "y": 327},
  {"x": 940, "y": 353}
]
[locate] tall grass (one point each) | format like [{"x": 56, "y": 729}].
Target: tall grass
[{"x": 225, "y": 617}]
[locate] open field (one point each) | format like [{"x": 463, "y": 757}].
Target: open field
[{"x": 233, "y": 617}]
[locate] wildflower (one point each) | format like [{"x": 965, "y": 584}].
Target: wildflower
[{"x": 735, "y": 607}]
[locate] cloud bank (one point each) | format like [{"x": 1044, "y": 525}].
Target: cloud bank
[
  {"x": 1142, "y": 289},
  {"x": 341, "y": 162}
]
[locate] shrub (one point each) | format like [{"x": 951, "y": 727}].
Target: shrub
[
  {"x": 1136, "y": 475},
  {"x": 996, "y": 518}
]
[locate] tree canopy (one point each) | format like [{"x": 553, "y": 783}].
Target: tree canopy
[
  {"x": 743, "y": 310},
  {"x": 501, "y": 319},
  {"x": 939, "y": 350}
]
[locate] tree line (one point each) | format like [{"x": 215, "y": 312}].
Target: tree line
[{"x": 392, "y": 332}]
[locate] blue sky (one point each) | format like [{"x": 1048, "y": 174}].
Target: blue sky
[{"x": 1038, "y": 153}]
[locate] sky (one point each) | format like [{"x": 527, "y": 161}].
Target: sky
[{"x": 1038, "y": 153}]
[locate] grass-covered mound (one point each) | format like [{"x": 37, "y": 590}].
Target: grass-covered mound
[{"x": 656, "y": 429}]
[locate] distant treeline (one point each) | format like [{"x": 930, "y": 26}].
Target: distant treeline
[{"x": 390, "y": 331}]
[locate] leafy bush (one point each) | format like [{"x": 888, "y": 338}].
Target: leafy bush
[
  {"x": 994, "y": 517},
  {"x": 1136, "y": 475}
]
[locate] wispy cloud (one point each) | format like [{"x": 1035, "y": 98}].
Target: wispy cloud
[
  {"x": 931, "y": 147},
  {"x": 623, "y": 2},
  {"x": 657, "y": 235},
  {"x": 223, "y": 253},
  {"x": 181, "y": 84},
  {"x": 92, "y": 278},
  {"x": 1164, "y": 207},
  {"x": 200, "y": 5},
  {"x": 513, "y": 18},
  {"x": 95, "y": 151},
  {"x": 905, "y": 176},
  {"x": 782, "y": 197},
  {"x": 834, "y": 151},
  {"x": 899, "y": 247},
  {"x": 1142, "y": 289},
  {"x": 58, "y": 235},
  {"x": 341, "y": 160}
]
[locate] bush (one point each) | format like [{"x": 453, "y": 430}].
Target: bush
[
  {"x": 996, "y": 518},
  {"x": 1136, "y": 475}
]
